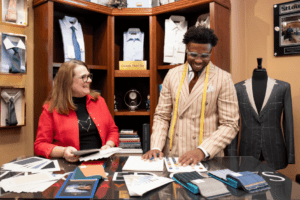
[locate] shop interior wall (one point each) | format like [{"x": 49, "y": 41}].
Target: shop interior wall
[
  {"x": 252, "y": 37},
  {"x": 15, "y": 142}
]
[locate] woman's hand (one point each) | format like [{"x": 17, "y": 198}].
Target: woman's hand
[
  {"x": 69, "y": 156},
  {"x": 106, "y": 146}
]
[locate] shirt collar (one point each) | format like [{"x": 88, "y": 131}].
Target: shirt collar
[
  {"x": 190, "y": 70},
  {"x": 137, "y": 37},
  {"x": 6, "y": 97},
  {"x": 67, "y": 21},
  {"x": 8, "y": 44},
  {"x": 179, "y": 25}
]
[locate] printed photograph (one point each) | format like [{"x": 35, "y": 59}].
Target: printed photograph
[
  {"x": 78, "y": 188},
  {"x": 290, "y": 30}
]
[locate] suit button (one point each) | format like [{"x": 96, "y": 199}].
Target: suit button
[
  {"x": 181, "y": 117},
  {"x": 177, "y": 135},
  {"x": 194, "y": 137},
  {"x": 94, "y": 118},
  {"x": 206, "y": 103},
  {"x": 97, "y": 124}
]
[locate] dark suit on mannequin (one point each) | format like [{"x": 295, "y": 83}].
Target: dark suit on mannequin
[{"x": 265, "y": 109}]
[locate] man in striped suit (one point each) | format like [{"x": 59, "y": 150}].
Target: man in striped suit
[{"x": 195, "y": 90}]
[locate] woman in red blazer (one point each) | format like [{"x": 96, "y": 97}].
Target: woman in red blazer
[{"x": 74, "y": 117}]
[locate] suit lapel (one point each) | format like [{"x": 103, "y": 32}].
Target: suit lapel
[
  {"x": 249, "y": 92},
  {"x": 270, "y": 86},
  {"x": 197, "y": 89}
]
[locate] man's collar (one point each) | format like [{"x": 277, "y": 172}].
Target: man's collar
[
  {"x": 179, "y": 25},
  {"x": 8, "y": 44},
  {"x": 71, "y": 21},
  {"x": 129, "y": 36}
]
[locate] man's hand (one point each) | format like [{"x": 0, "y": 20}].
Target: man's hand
[
  {"x": 153, "y": 153},
  {"x": 191, "y": 157}
]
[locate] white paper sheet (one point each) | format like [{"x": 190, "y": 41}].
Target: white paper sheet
[
  {"x": 137, "y": 185},
  {"x": 172, "y": 166},
  {"x": 102, "y": 154},
  {"x": 135, "y": 163}
]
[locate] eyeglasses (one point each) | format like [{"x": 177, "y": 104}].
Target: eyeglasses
[
  {"x": 85, "y": 77},
  {"x": 195, "y": 55}
]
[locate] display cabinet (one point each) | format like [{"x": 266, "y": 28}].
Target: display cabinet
[{"x": 103, "y": 30}]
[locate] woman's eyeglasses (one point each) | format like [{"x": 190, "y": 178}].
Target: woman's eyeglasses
[{"x": 85, "y": 77}]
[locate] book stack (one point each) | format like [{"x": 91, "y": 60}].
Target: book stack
[{"x": 130, "y": 141}]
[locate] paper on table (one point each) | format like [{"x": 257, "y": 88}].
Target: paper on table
[
  {"x": 172, "y": 166},
  {"x": 137, "y": 185},
  {"x": 91, "y": 170},
  {"x": 135, "y": 163},
  {"x": 102, "y": 154}
]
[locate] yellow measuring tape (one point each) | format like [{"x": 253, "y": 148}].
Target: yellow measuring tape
[{"x": 202, "y": 107}]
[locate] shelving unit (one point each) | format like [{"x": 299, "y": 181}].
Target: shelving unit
[{"x": 103, "y": 29}]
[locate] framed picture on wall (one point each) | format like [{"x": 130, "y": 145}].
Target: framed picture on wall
[
  {"x": 13, "y": 57},
  {"x": 287, "y": 28},
  {"x": 15, "y": 12}
]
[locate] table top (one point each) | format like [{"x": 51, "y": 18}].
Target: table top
[{"x": 281, "y": 186}]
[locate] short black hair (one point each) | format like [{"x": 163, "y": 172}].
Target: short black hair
[{"x": 200, "y": 35}]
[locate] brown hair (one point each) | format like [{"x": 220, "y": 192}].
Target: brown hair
[{"x": 61, "y": 97}]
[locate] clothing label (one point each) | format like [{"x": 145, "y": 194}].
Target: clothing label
[
  {"x": 22, "y": 18},
  {"x": 23, "y": 67},
  {"x": 71, "y": 52},
  {"x": 236, "y": 174}
]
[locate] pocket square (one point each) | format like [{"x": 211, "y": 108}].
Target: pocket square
[{"x": 210, "y": 89}]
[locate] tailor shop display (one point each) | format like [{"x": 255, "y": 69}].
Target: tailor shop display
[{"x": 133, "y": 99}]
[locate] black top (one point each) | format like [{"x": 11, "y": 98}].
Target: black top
[
  {"x": 259, "y": 87},
  {"x": 89, "y": 137}
]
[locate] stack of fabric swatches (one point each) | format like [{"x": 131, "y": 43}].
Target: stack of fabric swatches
[
  {"x": 248, "y": 181},
  {"x": 207, "y": 187}
]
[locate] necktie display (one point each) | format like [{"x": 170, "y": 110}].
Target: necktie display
[
  {"x": 11, "y": 119},
  {"x": 75, "y": 44},
  {"x": 11, "y": 11},
  {"x": 16, "y": 61},
  {"x": 193, "y": 81}
]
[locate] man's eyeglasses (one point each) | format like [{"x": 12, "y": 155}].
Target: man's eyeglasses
[
  {"x": 85, "y": 77},
  {"x": 195, "y": 55}
]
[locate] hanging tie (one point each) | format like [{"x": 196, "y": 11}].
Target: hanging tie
[
  {"x": 16, "y": 62},
  {"x": 193, "y": 81},
  {"x": 75, "y": 44},
  {"x": 12, "y": 118}
]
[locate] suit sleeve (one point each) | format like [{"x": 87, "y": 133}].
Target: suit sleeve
[
  {"x": 43, "y": 145},
  {"x": 162, "y": 115},
  {"x": 288, "y": 125},
  {"x": 228, "y": 112}
]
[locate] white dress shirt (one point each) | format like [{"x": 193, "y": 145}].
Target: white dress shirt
[
  {"x": 174, "y": 48},
  {"x": 7, "y": 53},
  {"x": 65, "y": 25},
  {"x": 133, "y": 45},
  {"x": 191, "y": 74}
]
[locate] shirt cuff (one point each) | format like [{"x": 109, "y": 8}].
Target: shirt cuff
[
  {"x": 204, "y": 151},
  {"x": 156, "y": 149}
]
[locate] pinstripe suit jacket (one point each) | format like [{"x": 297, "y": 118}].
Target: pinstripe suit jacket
[
  {"x": 221, "y": 113},
  {"x": 263, "y": 132}
]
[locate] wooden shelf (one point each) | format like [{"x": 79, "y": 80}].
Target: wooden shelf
[
  {"x": 142, "y": 112},
  {"x": 100, "y": 67},
  {"x": 166, "y": 66},
  {"x": 183, "y": 5},
  {"x": 132, "y": 73}
]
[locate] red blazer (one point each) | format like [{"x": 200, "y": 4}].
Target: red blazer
[{"x": 56, "y": 129}]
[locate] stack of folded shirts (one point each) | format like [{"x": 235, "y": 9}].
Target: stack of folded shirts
[{"x": 249, "y": 181}]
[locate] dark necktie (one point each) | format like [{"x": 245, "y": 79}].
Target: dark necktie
[
  {"x": 193, "y": 81},
  {"x": 75, "y": 44},
  {"x": 12, "y": 118},
  {"x": 16, "y": 61}
]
